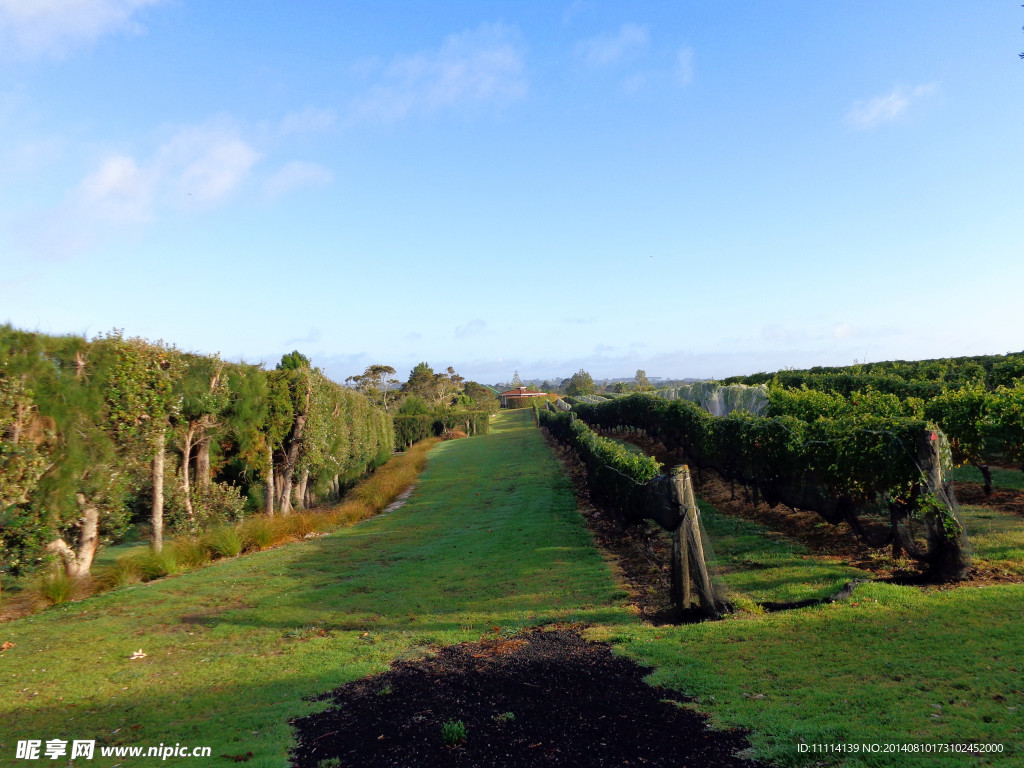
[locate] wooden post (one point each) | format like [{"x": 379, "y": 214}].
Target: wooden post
[
  {"x": 681, "y": 589},
  {"x": 703, "y": 577}
]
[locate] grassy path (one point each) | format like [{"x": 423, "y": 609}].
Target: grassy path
[{"x": 490, "y": 537}]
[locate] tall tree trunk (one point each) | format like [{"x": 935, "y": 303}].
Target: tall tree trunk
[
  {"x": 300, "y": 494},
  {"x": 203, "y": 462},
  {"x": 157, "y": 511},
  {"x": 290, "y": 461},
  {"x": 186, "y": 486},
  {"x": 77, "y": 564},
  {"x": 268, "y": 501}
]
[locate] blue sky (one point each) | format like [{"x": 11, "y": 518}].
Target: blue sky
[{"x": 695, "y": 189}]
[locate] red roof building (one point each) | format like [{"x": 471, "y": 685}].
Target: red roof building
[{"x": 515, "y": 396}]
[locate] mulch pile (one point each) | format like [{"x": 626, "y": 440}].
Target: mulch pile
[{"x": 541, "y": 698}]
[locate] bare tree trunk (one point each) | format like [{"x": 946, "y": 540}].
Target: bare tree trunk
[
  {"x": 186, "y": 486},
  {"x": 285, "y": 499},
  {"x": 203, "y": 462},
  {"x": 291, "y": 459},
  {"x": 268, "y": 501},
  {"x": 157, "y": 511},
  {"x": 300, "y": 492},
  {"x": 78, "y": 564}
]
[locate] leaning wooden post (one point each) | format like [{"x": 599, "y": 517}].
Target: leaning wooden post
[
  {"x": 681, "y": 592},
  {"x": 700, "y": 567}
]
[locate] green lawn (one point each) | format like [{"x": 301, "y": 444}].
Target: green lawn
[
  {"x": 491, "y": 537},
  {"x": 1001, "y": 478}
]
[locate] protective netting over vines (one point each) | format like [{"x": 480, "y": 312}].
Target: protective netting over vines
[
  {"x": 631, "y": 487},
  {"x": 721, "y": 400},
  {"x": 887, "y": 472}
]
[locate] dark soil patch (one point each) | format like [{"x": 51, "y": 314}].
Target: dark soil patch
[
  {"x": 1006, "y": 500},
  {"x": 536, "y": 699}
]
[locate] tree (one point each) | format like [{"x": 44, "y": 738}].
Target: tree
[
  {"x": 296, "y": 376},
  {"x": 205, "y": 398},
  {"x": 375, "y": 382},
  {"x": 516, "y": 381},
  {"x": 421, "y": 382},
  {"x": 447, "y": 385},
  {"x": 293, "y": 361},
  {"x": 643, "y": 384},
  {"x": 480, "y": 397},
  {"x": 142, "y": 403},
  {"x": 580, "y": 383}
]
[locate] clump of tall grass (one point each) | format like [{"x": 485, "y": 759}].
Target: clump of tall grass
[
  {"x": 190, "y": 551},
  {"x": 156, "y": 565},
  {"x": 56, "y": 587},
  {"x": 298, "y": 524},
  {"x": 259, "y": 532},
  {"x": 224, "y": 541},
  {"x": 122, "y": 573}
]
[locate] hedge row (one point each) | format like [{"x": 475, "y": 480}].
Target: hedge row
[
  {"x": 412, "y": 429},
  {"x": 616, "y": 477}
]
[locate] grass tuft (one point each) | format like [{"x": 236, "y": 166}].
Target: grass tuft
[
  {"x": 224, "y": 541},
  {"x": 258, "y": 533},
  {"x": 56, "y": 587},
  {"x": 190, "y": 552}
]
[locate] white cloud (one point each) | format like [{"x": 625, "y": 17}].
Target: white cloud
[
  {"x": 54, "y": 27},
  {"x": 683, "y": 70},
  {"x": 197, "y": 167},
  {"x": 118, "y": 191},
  {"x": 202, "y": 164},
  {"x": 631, "y": 40},
  {"x": 296, "y": 175},
  {"x": 484, "y": 65},
  {"x": 870, "y": 113},
  {"x": 843, "y": 331}
]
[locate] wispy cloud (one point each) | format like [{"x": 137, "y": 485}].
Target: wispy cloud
[
  {"x": 197, "y": 167},
  {"x": 33, "y": 28},
  {"x": 870, "y": 113},
  {"x": 296, "y": 175},
  {"x": 118, "y": 191},
  {"x": 484, "y": 65},
  {"x": 601, "y": 51},
  {"x": 471, "y": 328}
]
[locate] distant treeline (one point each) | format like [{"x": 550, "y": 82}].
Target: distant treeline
[{"x": 978, "y": 402}]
